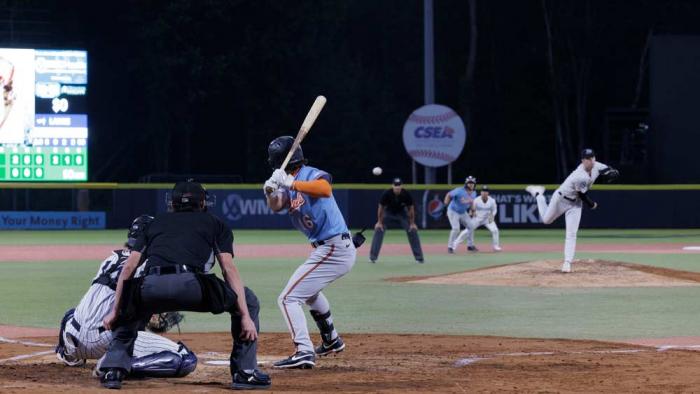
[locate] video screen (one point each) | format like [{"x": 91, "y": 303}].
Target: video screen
[{"x": 43, "y": 115}]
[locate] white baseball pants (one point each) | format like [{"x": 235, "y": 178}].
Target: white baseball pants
[
  {"x": 326, "y": 263},
  {"x": 468, "y": 234},
  {"x": 92, "y": 344},
  {"x": 559, "y": 205}
]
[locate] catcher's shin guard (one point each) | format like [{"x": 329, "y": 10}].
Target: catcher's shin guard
[{"x": 165, "y": 364}]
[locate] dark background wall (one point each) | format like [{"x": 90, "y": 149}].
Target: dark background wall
[
  {"x": 675, "y": 107},
  {"x": 201, "y": 87}
]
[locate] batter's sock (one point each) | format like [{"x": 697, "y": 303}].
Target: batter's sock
[{"x": 324, "y": 321}]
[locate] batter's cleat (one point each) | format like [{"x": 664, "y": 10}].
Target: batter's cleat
[
  {"x": 497, "y": 249},
  {"x": 112, "y": 379},
  {"x": 298, "y": 360},
  {"x": 472, "y": 248},
  {"x": 257, "y": 380},
  {"x": 566, "y": 267},
  {"x": 534, "y": 190},
  {"x": 420, "y": 261},
  {"x": 325, "y": 349},
  {"x": 372, "y": 261},
  {"x": 450, "y": 250}
]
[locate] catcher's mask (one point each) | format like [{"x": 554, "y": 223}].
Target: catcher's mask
[
  {"x": 138, "y": 227},
  {"x": 189, "y": 196},
  {"x": 277, "y": 152}
]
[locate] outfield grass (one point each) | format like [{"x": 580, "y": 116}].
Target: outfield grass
[{"x": 36, "y": 294}]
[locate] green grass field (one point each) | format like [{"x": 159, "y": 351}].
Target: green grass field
[{"x": 37, "y": 293}]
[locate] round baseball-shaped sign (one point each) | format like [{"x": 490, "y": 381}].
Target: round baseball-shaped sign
[{"x": 434, "y": 135}]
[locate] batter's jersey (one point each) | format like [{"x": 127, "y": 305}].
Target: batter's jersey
[
  {"x": 580, "y": 180},
  {"x": 485, "y": 209},
  {"x": 318, "y": 218},
  {"x": 461, "y": 200},
  {"x": 99, "y": 299}
]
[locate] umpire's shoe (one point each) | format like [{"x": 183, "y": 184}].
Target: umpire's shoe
[
  {"x": 251, "y": 381},
  {"x": 336, "y": 346},
  {"x": 300, "y": 360},
  {"x": 112, "y": 379}
]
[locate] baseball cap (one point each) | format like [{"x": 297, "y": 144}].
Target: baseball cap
[
  {"x": 484, "y": 188},
  {"x": 587, "y": 153},
  {"x": 397, "y": 182},
  {"x": 470, "y": 179}
]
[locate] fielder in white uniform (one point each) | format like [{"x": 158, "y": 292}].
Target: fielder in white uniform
[
  {"x": 569, "y": 197},
  {"x": 307, "y": 194},
  {"x": 459, "y": 204},
  {"x": 484, "y": 209},
  {"x": 82, "y": 335}
]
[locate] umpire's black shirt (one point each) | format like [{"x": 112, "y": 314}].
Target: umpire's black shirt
[
  {"x": 396, "y": 204},
  {"x": 188, "y": 238}
]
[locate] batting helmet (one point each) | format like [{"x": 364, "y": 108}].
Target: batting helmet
[
  {"x": 277, "y": 152},
  {"x": 138, "y": 227},
  {"x": 189, "y": 196}
]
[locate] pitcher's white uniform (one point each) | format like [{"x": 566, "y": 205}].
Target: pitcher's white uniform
[
  {"x": 567, "y": 201},
  {"x": 485, "y": 212},
  {"x": 84, "y": 335}
]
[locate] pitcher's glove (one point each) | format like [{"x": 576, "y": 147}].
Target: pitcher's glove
[
  {"x": 358, "y": 239},
  {"x": 162, "y": 322},
  {"x": 609, "y": 174}
]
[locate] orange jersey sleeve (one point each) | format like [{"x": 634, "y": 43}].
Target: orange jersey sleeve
[{"x": 318, "y": 188}]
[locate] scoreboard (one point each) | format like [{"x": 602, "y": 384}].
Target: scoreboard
[{"x": 43, "y": 115}]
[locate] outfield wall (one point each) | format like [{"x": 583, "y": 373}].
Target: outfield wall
[{"x": 243, "y": 206}]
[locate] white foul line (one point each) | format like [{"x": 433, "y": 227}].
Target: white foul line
[
  {"x": 27, "y": 343},
  {"x": 23, "y": 356}
]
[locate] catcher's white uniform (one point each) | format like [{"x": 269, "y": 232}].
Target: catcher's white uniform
[{"x": 84, "y": 336}]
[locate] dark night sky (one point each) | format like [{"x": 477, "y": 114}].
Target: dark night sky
[{"x": 201, "y": 87}]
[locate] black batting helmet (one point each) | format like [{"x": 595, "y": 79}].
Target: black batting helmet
[
  {"x": 138, "y": 226},
  {"x": 277, "y": 152},
  {"x": 189, "y": 196}
]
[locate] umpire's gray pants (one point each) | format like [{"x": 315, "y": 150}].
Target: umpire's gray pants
[
  {"x": 179, "y": 292},
  {"x": 401, "y": 220}
]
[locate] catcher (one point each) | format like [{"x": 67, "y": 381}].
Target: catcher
[{"x": 82, "y": 335}]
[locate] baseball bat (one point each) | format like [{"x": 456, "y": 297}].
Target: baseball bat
[{"x": 314, "y": 111}]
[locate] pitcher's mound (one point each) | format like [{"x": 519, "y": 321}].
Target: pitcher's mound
[{"x": 585, "y": 273}]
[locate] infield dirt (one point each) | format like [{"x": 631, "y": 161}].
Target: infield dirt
[{"x": 397, "y": 363}]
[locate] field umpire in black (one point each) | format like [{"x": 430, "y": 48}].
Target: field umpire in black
[
  {"x": 396, "y": 207},
  {"x": 178, "y": 249}
]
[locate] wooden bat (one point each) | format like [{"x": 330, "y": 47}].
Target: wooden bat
[{"x": 314, "y": 111}]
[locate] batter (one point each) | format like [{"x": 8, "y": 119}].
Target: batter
[{"x": 306, "y": 192}]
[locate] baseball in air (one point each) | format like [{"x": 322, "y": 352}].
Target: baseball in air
[{"x": 377, "y": 171}]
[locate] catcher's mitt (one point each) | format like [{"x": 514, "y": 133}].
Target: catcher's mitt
[{"x": 162, "y": 322}]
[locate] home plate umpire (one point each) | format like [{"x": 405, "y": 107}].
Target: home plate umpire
[{"x": 178, "y": 248}]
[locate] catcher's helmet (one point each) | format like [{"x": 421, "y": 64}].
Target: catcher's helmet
[
  {"x": 189, "y": 196},
  {"x": 277, "y": 152},
  {"x": 138, "y": 226}
]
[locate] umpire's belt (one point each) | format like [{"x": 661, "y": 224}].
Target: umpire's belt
[
  {"x": 325, "y": 241},
  {"x": 171, "y": 269},
  {"x": 77, "y": 326},
  {"x": 567, "y": 198}
]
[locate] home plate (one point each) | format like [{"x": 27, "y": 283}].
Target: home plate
[
  {"x": 691, "y": 248},
  {"x": 262, "y": 361}
]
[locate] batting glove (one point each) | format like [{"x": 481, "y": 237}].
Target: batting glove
[
  {"x": 270, "y": 186},
  {"x": 282, "y": 179}
]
